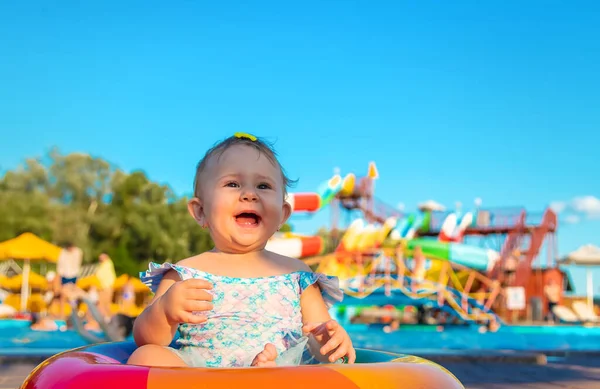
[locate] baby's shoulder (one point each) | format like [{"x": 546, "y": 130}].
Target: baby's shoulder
[
  {"x": 199, "y": 261},
  {"x": 174, "y": 270},
  {"x": 288, "y": 264},
  {"x": 192, "y": 262},
  {"x": 315, "y": 283},
  {"x": 165, "y": 274}
]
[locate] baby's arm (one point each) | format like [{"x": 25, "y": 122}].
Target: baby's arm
[
  {"x": 330, "y": 341},
  {"x": 152, "y": 326}
]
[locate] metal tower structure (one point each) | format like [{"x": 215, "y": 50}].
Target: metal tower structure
[{"x": 511, "y": 231}]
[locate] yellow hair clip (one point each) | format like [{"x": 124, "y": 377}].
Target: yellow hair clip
[{"x": 245, "y": 135}]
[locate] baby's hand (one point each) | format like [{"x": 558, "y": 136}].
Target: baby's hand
[
  {"x": 184, "y": 298},
  {"x": 333, "y": 339}
]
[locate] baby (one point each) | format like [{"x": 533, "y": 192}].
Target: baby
[{"x": 239, "y": 305}]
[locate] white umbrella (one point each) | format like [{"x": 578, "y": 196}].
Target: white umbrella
[
  {"x": 587, "y": 255},
  {"x": 431, "y": 205}
]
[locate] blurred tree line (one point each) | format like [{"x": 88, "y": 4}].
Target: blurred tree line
[
  {"x": 88, "y": 201},
  {"x": 100, "y": 208}
]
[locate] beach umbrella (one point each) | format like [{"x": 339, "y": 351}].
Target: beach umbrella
[
  {"x": 588, "y": 256},
  {"x": 87, "y": 282},
  {"x": 28, "y": 247},
  {"x": 138, "y": 285},
  {"x": 431, "y": 205},
  {"x": 34, "y": 280}
]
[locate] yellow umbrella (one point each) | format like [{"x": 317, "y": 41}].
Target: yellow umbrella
[
  {"x": 120, "y": 281},
  {"x": 138, "y": 285},
  {"x": 35, "y": 281},
  {"x": 28, "y": 247},
  {"x": 87, "y": 282}
]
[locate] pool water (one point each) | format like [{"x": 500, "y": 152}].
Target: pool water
[
  {"x": 17, "y": 339},
  {"x": 521, "y": 338}
]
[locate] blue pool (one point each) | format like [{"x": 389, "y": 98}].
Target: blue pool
[
  {"x": 17, "y": 339},
  {"x": 521, "y": 338}
]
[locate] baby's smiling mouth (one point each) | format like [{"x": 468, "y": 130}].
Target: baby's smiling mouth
[{"x": 247, "y": 219}]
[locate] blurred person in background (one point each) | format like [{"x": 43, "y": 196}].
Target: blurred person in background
[
  {"x": 67, "y": 269},
  {"x": 127, "y": 303},
  {"x": 552, "y": 291},
  {"x": 106, "y": 276}
]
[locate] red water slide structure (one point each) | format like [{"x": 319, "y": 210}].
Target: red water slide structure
[{"x": 514, "y": 233}]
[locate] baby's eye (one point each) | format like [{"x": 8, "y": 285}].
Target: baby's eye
[
  {"x": 232, "y": 184},
  {"x": 264, "y": 186}
]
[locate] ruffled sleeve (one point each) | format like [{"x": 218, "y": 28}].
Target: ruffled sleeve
[
  {"x": 329, "y": 286},
  {"x": 155, "y": 273}
]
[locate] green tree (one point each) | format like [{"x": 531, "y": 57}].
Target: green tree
[
  {"x": 86, "y": 200},
  {"x": 286, "y": 227}
]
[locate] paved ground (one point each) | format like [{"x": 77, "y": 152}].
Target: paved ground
[
  {"x": 12, "y": 373},
  {"x": 573, "y": 372},
  {"x": 579, "y": 372}
]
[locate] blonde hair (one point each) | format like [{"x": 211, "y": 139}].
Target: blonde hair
[{"x": 258, "y": 144}]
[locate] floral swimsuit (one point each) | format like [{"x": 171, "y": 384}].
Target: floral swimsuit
[{"x": 247, "y": 314}]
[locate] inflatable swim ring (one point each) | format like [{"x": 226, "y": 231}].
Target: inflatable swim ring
[{"x": 102, "y": 366}]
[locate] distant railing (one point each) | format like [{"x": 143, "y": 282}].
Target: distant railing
[
  {"x": 385, "y": 210},
  {"x": 492, "y": 218}
]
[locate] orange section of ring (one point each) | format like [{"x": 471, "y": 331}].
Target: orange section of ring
[
  {"x": 376, "y": 375},
  {"x": 277, "y": 378},
  {"x": 419, "y": 373}
]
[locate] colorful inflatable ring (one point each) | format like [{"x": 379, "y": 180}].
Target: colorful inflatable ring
[{"x": 102, "y": 366}]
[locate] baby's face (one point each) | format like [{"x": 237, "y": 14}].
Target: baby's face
[{"x": 242, "y": 199}]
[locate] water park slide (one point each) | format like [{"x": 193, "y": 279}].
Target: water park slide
[
  {"x": 473, "y": 257},
  {"x": 326, "y": 192},
  {"x": 437, "y": 296},
  {"x": 454, "y": 227},
  {"x": 299, "y": 246},
  {"x": 408, "y": 227},
  {"x": 361, "y": 287},
  {"x": 296, "y": 246},
  {"x": 548, "y": 223},
  {"x": 361, "y": 236}
]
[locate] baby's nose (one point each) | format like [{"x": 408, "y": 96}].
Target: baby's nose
[{"x": 249, "y": 195}]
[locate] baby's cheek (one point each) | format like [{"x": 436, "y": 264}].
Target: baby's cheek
[{"x": 221, "y": 207}]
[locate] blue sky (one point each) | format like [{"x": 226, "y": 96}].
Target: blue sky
[{"x": 453, "y": 100}]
